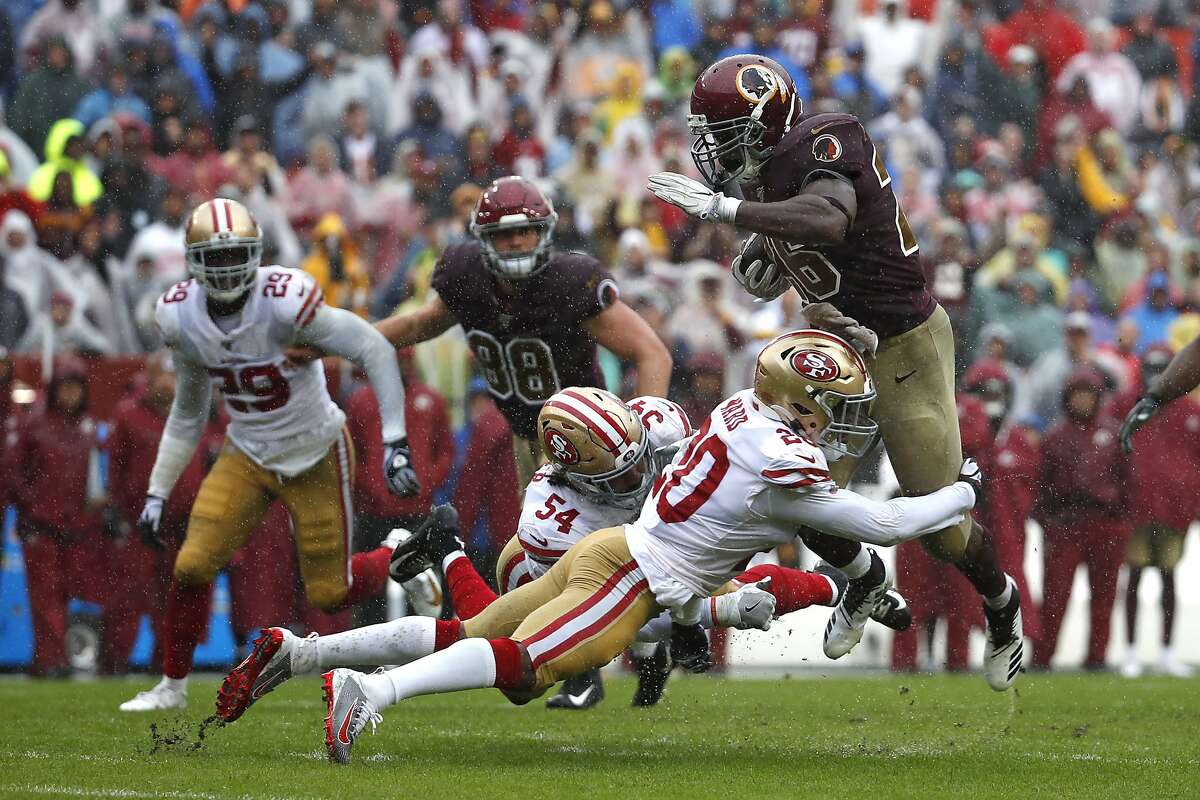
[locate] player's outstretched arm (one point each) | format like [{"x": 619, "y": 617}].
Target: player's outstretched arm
[
  {"x": 620, "y": 329},
  {"x": 420, "y": 325},
  {"x": 339, "y": 332},
  {"x": 841, "y": 512},
  {"x": 1181, "y": 376},
  {"x": 821, "y": 214}
]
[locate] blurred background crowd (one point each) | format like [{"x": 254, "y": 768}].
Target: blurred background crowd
[{"x": 1044, "y": 153}]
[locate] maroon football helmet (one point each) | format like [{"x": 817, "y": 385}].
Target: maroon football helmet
[
  {"x": 512, "y": 203},
  {"x": 741, "y": 107}
]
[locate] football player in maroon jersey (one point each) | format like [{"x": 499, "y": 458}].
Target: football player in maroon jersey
[
  {"x": 824, "y": 220},
  {"x": 533, "y": 316}
]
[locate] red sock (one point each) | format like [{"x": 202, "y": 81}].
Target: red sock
[
  {"x": 369, "y": 574},
  {"x": 445, "y": 633},
  {"x": 468, "y": 591},
  {"x": 793, "y": 588},
  {"x": 509, "y": 673},
  {"x": 186, "y": 615}
]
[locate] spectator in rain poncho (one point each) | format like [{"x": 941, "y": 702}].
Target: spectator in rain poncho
[
  {"x": 76, "y": 22},
  {"x": 426, "y": 71},
  {"x": 64, "y": 329},
  {"x": 705, "y": 322},
  {"x": 31, "y": 270},
  {"x": 336, "y": 266},
  {"x": 893, "y": 42},
  {"x": 65, "y": 149},
  {"x": 45, "y": 95}
]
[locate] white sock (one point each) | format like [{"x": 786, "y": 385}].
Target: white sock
[
  {"x": 859, "y": 565},
  {"x": 450, "y": 558},
  {"x": 174, "y": 684},
  {"x": 397, "y": 642},
  {"x": 466, "y": 664},
  {"x": 659, "y": 628},
  {"x": 834, "y": 592},
  {"x": 1002, "y": 599}
]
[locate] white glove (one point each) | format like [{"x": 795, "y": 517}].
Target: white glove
[
  {"x": 827, "y": 317},
  {"x": 693, "y": 197},
  {"x": 751, "y": 606},
  {"x": 761, "y": 278},
  {"x": 972, "y": 475}
]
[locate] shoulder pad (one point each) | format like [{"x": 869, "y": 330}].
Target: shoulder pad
[
  {"x": 666, "y": 422},
  {"x": 166, "y": 310},
  {"x": 292, "y": 294},
  {"x": 793, "y": 462}
]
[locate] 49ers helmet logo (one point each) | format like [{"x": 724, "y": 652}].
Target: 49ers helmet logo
[
  {"x": 827, "y": 148},
  {"x": 560, "y": 448},
  {"x": 815, "y": 365},
  {"x": 757, "y": 83}
]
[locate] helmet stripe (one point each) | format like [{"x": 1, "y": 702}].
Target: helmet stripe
[
  {"x": 216, "y": 223},
  {"x": 615, "y": 426},
  {"x": 228, "y": 214},
  {"x": 588, "y": 421}
]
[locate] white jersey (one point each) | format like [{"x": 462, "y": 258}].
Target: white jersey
[
  {"x": 745, "y": 483},
  {"x": 553, "y": 518},
  {"x": 281, "y": 414}
]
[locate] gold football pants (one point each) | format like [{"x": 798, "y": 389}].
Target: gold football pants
[{"x": 235, "y": 496}]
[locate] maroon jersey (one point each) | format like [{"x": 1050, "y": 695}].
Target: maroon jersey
[
  {"x": 532, "y": 343},
  {"x": 875, "y": 276}
]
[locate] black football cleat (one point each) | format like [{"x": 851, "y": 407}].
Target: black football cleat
[
  {"x": 579, "y": 693},
  {"x": 436, "y": 537},
  {"x": 892, "y": 611},
  {"x": 652, "y": 673}
]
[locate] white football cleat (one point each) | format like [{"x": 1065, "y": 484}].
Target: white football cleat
[
  {"x": 849, "y": 618},
  {"x": 1169, "y": 664},
  {"x": 1131, "y": 667},
  {"x": 1005, "y": 648},
  {"x": 349, "y": 711},
  {"x": 160, "y": 698}
]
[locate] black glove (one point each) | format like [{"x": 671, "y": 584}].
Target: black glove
[
  {"x": 1138, "y": 416},
  {"x": 398, "y": 469},
  {"x": 689, "y": 648},
  {"x": 149, "y": 521},
  {"x": 972, "y": 475}
]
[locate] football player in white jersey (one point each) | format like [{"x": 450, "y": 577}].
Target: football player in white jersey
[
  {"x": 754, "y": 472},
  {"x": 603, "y": 456},
  {"x": 228, "y": 327}
]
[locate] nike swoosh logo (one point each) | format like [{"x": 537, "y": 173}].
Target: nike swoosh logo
[
  {"x": 267, "y": 686},
  {"x": 751, "y": 608},
  {"x": 905, "y": 376},
  {"x": 342, "y": 737},
  {"x": 540, "y": 541},
  {"x": 581, "y": 698},
  {"x": 820, "y": 128}
]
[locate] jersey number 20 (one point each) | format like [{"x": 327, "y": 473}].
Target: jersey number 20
[{"x": 524, "y": 366}]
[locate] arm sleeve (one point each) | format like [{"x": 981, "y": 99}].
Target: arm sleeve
[
  {"x": 342, "y": 333},
  {"x": 185, "y": 425},
  {"x": 843, "y": 513}
]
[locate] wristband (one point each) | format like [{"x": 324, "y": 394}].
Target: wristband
[{"x": 725, "y": 209}]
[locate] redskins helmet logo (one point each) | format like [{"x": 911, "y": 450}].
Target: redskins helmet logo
[
  {"x": 827, "y": 148},
  {"x": 756, "y": 83},
  {"x": 560, "y": 447},
  {"x": 815, "y": 365}
]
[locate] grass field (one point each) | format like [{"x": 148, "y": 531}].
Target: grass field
[{"x": 887, "y": 737}]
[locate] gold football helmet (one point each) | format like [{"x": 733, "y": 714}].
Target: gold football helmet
[
  {"x": 224, "y": 248},
  {"x": 598, "y": 445},
  {"x": 818, "y": 383}
]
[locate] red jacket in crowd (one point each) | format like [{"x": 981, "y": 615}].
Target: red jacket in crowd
[
  {"x": 51, "y": 454},
  {"x": 1050, "y": 31},
  {"x": 1083, "y": 472},
  {"x": 429, "y": 436},
  {"x": 133, "y": 446},
  {"x": 1165, "y": 463},
  {"x": 489, "y": 477}
]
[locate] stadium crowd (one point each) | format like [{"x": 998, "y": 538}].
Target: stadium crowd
[{"x": 1045, "y": 155}]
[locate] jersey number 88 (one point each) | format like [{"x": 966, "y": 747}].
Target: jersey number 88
[{"x": 524, "y": 366}]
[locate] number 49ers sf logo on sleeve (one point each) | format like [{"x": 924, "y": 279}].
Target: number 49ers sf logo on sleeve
[
  {"x": 560, "y": 448},
  {"x": 815, "y": 365}
]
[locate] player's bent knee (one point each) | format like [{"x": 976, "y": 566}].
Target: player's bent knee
[
  {"x": 326, "y": 596},
  {"x": 194, "y": 569},
  {"x": 947, "y": 545}
]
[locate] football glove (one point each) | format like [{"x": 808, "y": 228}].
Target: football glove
[
  {"x": 398, "y": 469},
  {"x": 826, "y": 317},
  {"x": 693, "y": 197},
  {"x": 689, "y": 648},
  {"x": 750, "y": 607},
  {"x": 758, "y": 276},
  {"x": 972, "y": 475},
  {"x": 149, "y": 521},
  {"x": 1138, "y": 416}
]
